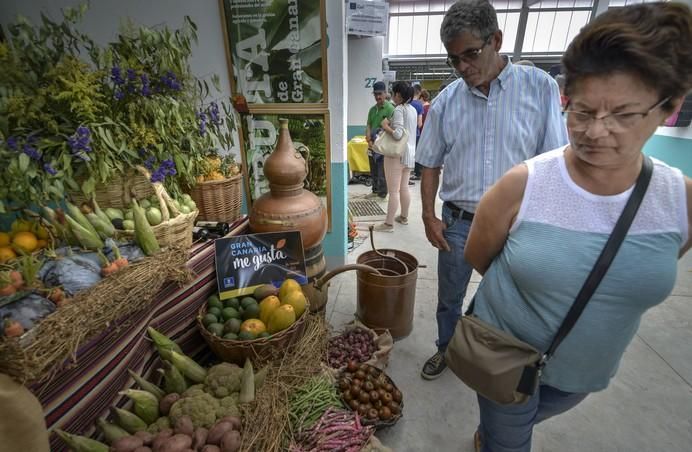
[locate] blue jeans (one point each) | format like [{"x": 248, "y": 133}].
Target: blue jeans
[
  {"x": 508, "y": 428},
  {"x": 453, "y": 274}
]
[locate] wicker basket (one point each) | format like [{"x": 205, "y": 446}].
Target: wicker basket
[
  {"x": 219, "y": 200},
  {"x": 120, "y": 190},
  {"x": 172, "y": 231},
  {"x": 260, "y": 351},
  {"x": 377, "y": 423}
]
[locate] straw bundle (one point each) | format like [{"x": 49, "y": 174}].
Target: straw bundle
[
  {"x": 59, "y": 336},
  {"x": 267, "y": 427}
]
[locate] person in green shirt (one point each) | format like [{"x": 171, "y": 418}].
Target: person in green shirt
[{"x": 381, "y": 110}]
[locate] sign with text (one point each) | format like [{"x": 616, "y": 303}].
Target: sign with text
[
  {"x": 276, "y": 49},
  {"x": 367, "y": 18},
  {"x": 246, "y": 261}
]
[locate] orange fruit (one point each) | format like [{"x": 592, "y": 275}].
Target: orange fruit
[
  {"x": 255, "y": 326},
  {"x": 5, "y": 239},
  {"x": 7, "y": 254},
  {"x": 25, "y": 241}
]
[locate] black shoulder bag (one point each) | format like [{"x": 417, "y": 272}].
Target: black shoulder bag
[{"x": 506, "y": 370}]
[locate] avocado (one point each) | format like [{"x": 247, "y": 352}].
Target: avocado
[
  {"x": 246, "y": 301},
  {"x": 247, "y": 336},
  {"x": 230, "y": 313},
  {"x": 264, "y": 334},
  {"x": 231, "y": 336},
  {"x": 214, "y": 302},
  {"x": 214, "y": 311},
  {"x": 216, "y": 329},
  {"x": 208, "y": 319},
  {"x": 232, "y": 326},
  {"x": 251, "y": 311},
  {"x": 231, "y": 303},
  {"x": 263, "y": 291}
]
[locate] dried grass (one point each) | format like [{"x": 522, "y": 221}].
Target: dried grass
[
  {"x": 266, "y": 425},
  {"x": 59, "y": 336}
]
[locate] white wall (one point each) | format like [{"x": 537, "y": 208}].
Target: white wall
[
  {"x": 364, "y": 62},
  {"x": 103, "y": 18}
]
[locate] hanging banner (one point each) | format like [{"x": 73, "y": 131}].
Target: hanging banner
[
  {"x": 277, "y": 50},
  {"x": 245, "y": 262}
]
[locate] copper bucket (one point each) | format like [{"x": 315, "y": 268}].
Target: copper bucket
[{"x": 386, "y": 300}]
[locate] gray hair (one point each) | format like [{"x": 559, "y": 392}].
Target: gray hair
[{"x": 477, "y": 17}]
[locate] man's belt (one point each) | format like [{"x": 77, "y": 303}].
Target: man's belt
[{"x": 458, "y": 212}]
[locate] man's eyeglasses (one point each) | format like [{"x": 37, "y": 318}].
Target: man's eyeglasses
[
  {"x": 468, "y": 56},
  {"x": 580, "y": 121}
]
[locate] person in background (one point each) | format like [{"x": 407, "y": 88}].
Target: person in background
[
  {"x": 417, "y": 103},
  {"x": 560, "y": 79},
  {"x": 625, "y": 72},
  {"x": 425, "y": 98},
  {"x": 495, "y": 116},
  {"x": 381, "y": 110},
  {"x": 22, "y": 425},
  {"x": 398, "y": 169}
]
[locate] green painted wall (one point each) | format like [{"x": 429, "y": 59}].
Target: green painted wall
[
  {"x": 335, "y": 243},
  {"x": 674, "y": 151}
]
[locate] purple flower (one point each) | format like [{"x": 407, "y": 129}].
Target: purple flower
[
  {"x": 158, "y": 176},
  {"x": 119, "y": 95},
  {"x": 146, "y": 90},
  {"x": 49, "y": 169},
  {"x": 116, "y": 76},
  {"x": 131, "y": 75},
  {"x": 214, "y": 113},
  {"x": 32, "y": 152},
  {"x": 12, "y": 143},
  {"x": 83, "y": 131},
  {"x": 202, "y": 122},
  {"x": 170, "y": 81},
  {"x": 80, "y": 143},
  {"x": 149, "y": 163},
  {"x": 142, "y": 152}
]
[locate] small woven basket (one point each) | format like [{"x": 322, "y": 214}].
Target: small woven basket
[
  {"x": 219, "y": 200},
  {"x": 176, "y": 227},
  {"x": 261, "y": 350},
  {"x": 377, "y": 423}
]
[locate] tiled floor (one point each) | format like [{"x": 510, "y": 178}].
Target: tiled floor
[{"x": 648, "y": 406}]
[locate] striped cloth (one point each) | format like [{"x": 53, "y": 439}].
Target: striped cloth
[
  {"x": 84, "y": 390},
  {"x": 479, "y": 138}
]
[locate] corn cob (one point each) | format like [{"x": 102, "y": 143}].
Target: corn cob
[
  {"x": 79, "y": 217},
  {"x": 148, "y": 386},
  {"x": 146, "y": 405},
  {"x": 81, "y": 443},
  {"x": 61, "y": 229},
  {"x": 173, "y": 380},
  {"x": 130, "y": 422},
  {"x": 188, "y": 367},
  {"x": 111, "y": 431},
  {"x": 104, "y": 230},
  {"x": 163, "y": 343},
  {"x": 101, "y": 214},
  {"x": 247, "y": 383},
  {"x": 86, "y": 238},
  {"x": 143, "y": 231}
]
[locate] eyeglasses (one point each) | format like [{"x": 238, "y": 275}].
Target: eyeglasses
[
  {"x": 580, "y": 121},
  {"x": 468, "y": 56}
]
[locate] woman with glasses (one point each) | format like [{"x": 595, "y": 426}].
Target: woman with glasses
[
  {"x": 538, "y": 232},
  {"x": 397, "y": 170}
]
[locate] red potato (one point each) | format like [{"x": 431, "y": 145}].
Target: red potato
[
  {"x": 199, "y": 438},
  {"x": 160, "y": 439},
  {"x": 210, "y": 448},
  {"x": 126, "y": 444},
  {"x": 142, "y": 449},
  {"x": 217, "y": 432},
  {"x": 235, "y": 420},
  {"x": 147, "y": 438},
  {"x": 167, "y": 402},
  {"x": 17, "y": 279},
  {"x": 7, "y": 290},
  {"x": 177, "y": 443},
  {"x": 230, "y": 441},
  {"x": 184, "y": 426}
]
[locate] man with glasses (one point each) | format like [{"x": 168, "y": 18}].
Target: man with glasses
[
  {"x": 381, "y": 110},
  {"x": 495, "y": 116}
]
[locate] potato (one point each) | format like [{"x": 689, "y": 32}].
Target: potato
[
  {"x": 211, "y": 448},
  {"x": 230, "y": 441},
  {"x": 147, "y": 438},
  {"x": 184, "y": 425},
  {"x": 142, "y": 449},
  {"x": 160, "y": 439},
  {"x": 217, "y": 432},
  {"x": 199, "y": 438},
  {"x": 177, "y": 443},
  {"x": 235, "y": 420},
  {"x": 167, "y": 402},
  {"x": 126, "y": 444}
]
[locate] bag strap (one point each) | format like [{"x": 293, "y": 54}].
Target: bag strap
[{"x": 605, "y": 259}]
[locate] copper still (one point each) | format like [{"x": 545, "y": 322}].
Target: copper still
[{"x": 288, "y": 206}]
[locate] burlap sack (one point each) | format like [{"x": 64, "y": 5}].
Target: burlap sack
[
  {"x": 22, "y": 427},
  {"x": 383, "y": 342}
]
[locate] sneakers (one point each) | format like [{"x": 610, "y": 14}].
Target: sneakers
[
  {"x": 384, "y": 227},
  {"x": 477, "y": 443},
  {"x": 434, "y": 367},
  {"x": 371, "y": 195},
  {"x": 400, "y": 219},
  {"x": 414, "y": 177}
]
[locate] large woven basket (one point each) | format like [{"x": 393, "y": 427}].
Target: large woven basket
[
  {"x": 261, "y": 350},
  {"x": 120, "y": 190},
  {"x": 219, "y": 200},
  {"x": 377, "y": 423},
  {"x": 176, "y": 227}
]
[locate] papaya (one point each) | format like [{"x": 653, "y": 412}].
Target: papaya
[
  {"x": 254, "y": 326},
  {"x": 267, "y": 306},
  {"x": 282, "y": 317},
  {"x": 289, "y": 285}
]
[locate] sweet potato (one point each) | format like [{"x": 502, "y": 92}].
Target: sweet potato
[
  {"x": 142, "y": 449},
  {"x": 167, "y": 402},
  {"x": 211, "y": 448},
  {"x": 177, "y": 443},
  {"x": 235, "y": 420},
  {"x": 126, "y": 444},
  {"x": 230, "y": 441},
  {"x": 199, "y": 438},
  {"x": 217, "y": 432},
  {"x": 184, "y": 425}
]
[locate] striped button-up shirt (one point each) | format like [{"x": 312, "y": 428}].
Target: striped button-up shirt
[{"x": 477, "y": 138}]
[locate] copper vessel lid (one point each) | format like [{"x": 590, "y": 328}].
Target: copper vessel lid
[{"x": 285, "y": 168}]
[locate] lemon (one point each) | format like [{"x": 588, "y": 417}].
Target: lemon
[
  {"x": 25, "y": 241},
  {"x": 5, "y": 239}
]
